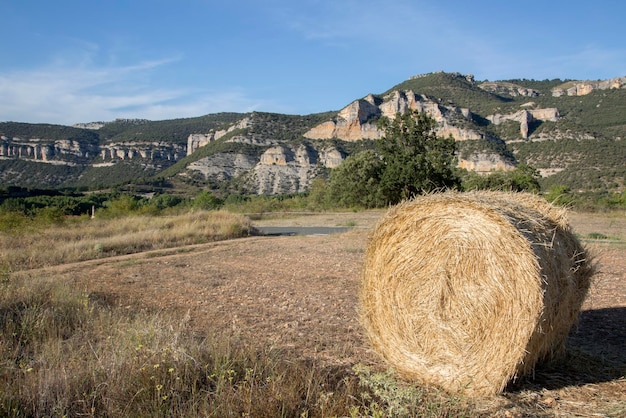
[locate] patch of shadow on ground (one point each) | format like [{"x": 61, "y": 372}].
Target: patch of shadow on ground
[
  {"x": 300, "y": 230},
  {"x": 595, "y": 353}
]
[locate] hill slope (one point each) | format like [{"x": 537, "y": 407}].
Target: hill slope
[{"x": 572, "y": 131}]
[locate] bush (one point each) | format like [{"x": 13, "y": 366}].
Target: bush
[
  {"x": 523, "y": 178},
  {"x": 123, "y": 205},
  {"x": 207, "y": 201},
  {"x": 165, "y": 201}
]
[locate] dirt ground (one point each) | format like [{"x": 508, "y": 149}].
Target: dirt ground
[{"x": 300, "y": 293}]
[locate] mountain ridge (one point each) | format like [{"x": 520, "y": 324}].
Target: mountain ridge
[{"x": 570, "y": 130}]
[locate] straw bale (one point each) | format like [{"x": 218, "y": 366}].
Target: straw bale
[{"x": 469, "y": 290}]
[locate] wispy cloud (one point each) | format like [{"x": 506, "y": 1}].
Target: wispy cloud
[
  {"x": 364, "y": 21},
  {"x": 67, "y": 94}
]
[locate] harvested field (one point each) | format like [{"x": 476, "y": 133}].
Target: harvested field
[{"x": 300, "y": 293}]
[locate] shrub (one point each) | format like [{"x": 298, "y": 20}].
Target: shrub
[{"x": 207, "y": 201}]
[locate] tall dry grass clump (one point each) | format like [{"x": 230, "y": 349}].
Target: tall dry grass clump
[
  {"x": 86, "y": 239},
  {"x": 468, "y": 291}
]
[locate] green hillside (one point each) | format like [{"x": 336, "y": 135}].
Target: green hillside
[{"x": 173, "y": 130}]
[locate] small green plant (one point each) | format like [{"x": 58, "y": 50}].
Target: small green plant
[
  {"x": 601, "y": 236},
  {"x": 386, "y": 396},
  {"x": 351, "y": 223},
  {"x": 5, "y": 274}
]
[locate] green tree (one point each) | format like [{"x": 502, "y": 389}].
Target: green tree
[
  {"x": 560, "y": 194},
  {"x": 164, "y": 201},
  {"x": 318, "y": 194},
  {"x": 207, "y": 201},
  {"x": 355, "y": 183},
  {"x": 415, "y": 159}
]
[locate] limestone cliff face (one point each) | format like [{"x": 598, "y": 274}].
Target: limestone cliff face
[
  {"x": 67, "y": 152},
  {"x": 152, "y": 151},
  {"x": 279, "y": 169},
  {"x": 358, "y": 120},
  {"x": 582, "y": 88},
  {"x": 526, "y": 117},
  {"x": 221, "y": 167},
  {"x": 509, "y": 89},
  {"x": 351, "y": 123},
  {"x": 483, "y": 163},
  {"x": 195, "y": 141},
  {"x": 285, "y": 170},
  {"x": 331, "y": 157},
  {"x": 72, "y": 153}
]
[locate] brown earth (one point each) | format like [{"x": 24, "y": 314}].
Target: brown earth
[{"x": 300, "y": 293}]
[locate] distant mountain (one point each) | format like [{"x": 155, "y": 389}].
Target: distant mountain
[{"x": 572, "y": 131}]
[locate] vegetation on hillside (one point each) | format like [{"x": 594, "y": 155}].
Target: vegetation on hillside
[
  {"x": 47, "y": 132},
  {"x": 584, "y": 147},
  {"x": 454, "y": 89},
  {"x": 171, "y": 131}
]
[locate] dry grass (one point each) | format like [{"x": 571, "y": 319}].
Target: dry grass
[
  {"x": 66, "y": 353},
  {"x": 89, "y": 239},
  {"x": 467, "y": 291},
  {"x": 71, "y": 355},
  {"x": 82, "y": 347}
]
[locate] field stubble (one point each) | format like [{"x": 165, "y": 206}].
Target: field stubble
[{"x": 299, "y": 294}]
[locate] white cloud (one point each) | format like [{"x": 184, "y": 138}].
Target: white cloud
[{"x": 69, "y": 94}]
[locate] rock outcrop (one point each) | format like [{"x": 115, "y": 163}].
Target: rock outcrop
[
  {"x": 70, "y": 152},
  {"x": 582, "y": 88},
  {"x": 286, "y": 170},
  {"x": 279, "y": 169},
  {"x": 221, "y": 167},
  {"x": 509, "y": 89},
  {"x": 195, "y": 141},
  {"x": 526, "y": 117},
  {"x": 142, "y": 150},
  {"x": 47, "y": 151},
  {"x": 358, "y": 120},
  {"x": 484, "y": 163},
  {"x": 89, "y": 125}
]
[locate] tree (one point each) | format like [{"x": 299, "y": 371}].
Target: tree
[
  {"x": 207, "y": 201},
  {"x": 415, "y": 160},
  {"x": 355, "y": 183}
]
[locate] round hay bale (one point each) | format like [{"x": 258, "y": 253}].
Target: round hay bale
[{"x": 468, "y": 290}]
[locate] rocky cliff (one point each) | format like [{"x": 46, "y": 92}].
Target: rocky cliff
[
  {"x": 526, "y": 117},
  {"x": 73, "y": 152},
  {"x": 582, "y": 88},
  {"x": 358, "y": 120},
  {"x": 276, "y": 168},
  {"x": 64, "y": 151},
  {"x": 497, "y": 124},
  {"x": 508, "y": 89},
  {"x": 195, "y": 141}
]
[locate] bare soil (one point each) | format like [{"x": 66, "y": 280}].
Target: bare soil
[{"x": 300, "y": 293}]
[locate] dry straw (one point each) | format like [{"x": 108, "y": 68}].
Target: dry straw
[{"x": 469, "y": 290}]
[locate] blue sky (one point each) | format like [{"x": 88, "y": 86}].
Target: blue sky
[{"x": 72, "y": 61}]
